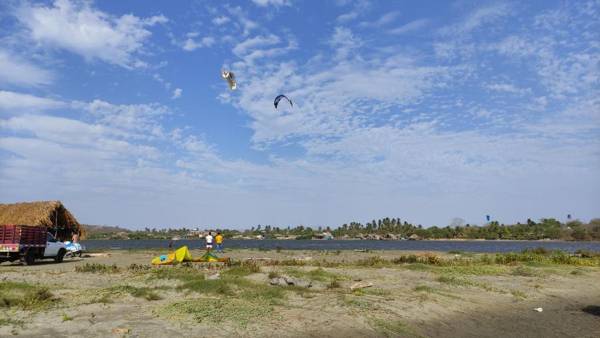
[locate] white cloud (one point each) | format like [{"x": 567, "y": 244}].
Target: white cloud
[
  {"x": 78, "y": 27},
  {"x": 177, "y": 93},
  {"x": 246, "y": 46},
  {"x": 515, "y": 46},
  {"x": 112, "y": 139},
  {"x": 344, "y": 42},
  {"x": 508, "y": 88},
  {"x": 208, "y": 41},
  {"x": 135, "y": 121},
  {"x": 242, "y": 18},
  {"x": 359, "y": 8},
  {"x": 157, "y": 19},
  {"x": 335, "y": 97},
  {"x": 563, "y": 67},
  {"x": 13, "y": 102},
  {"x": 409, "y": 27},
  {"x": 259, "y": 48},
  {"x": 221, "y": 20},
  {"x": 383, "y": 20},
  {"x": 162, "y": 81},
  {"x": 477, "y": 19},
  {"x": 190, "y": 44},
  {"x": 276, "y": 3},
  {"x": 140, "y": 121},
  {"x": 16, "y": 71},
  {"x": 347, "y": 16}
]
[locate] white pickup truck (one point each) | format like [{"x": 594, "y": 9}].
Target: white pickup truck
[
  {"x": 54, "y": 248},
  {"x": 28, "y": 243}
]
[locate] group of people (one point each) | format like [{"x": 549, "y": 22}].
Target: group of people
[{"x": 217, "y": 240}]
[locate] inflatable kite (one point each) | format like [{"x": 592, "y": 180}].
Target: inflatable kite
[
  {"x": 183, "y": 255},
  {"x": 230, "y": 78},
  {"x": 279, "y": 97}
]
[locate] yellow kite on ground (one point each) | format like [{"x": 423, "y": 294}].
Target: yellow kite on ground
[
  {"x": 180, "y": 255},
  {"x": 183, "y": 255}
]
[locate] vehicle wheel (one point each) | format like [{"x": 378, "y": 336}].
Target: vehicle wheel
[
  {"x": 29, "y": 257},
  {"x": 60, "y": 256},
  {"x": 80, "y": 254}
]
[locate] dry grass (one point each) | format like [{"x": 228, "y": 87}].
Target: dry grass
[
  {"x": 97, "y": 268},
  {"x": 43, "y": 213},
  {"x": 25, "y": 296}
]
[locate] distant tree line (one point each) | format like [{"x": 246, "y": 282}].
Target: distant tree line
[{"x": 546, "y": 228}]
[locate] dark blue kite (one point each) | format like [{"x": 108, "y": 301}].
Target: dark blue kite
[{"x": 279, "y": 97}]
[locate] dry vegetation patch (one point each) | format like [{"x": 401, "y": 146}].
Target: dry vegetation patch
[{"x": 25, "y": 296}]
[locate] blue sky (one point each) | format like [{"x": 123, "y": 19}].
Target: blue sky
[{"x": 426, "y": 111}]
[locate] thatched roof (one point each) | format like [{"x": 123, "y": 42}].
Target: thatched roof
[{"x": 51, "y": 214}]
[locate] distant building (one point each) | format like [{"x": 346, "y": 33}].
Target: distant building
[{"x": 324, "y": 235}]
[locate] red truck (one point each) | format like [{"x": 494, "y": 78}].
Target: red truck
[{"x": 28, "y": 243}]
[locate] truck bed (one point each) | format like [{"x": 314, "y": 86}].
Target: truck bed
[{"x": 13, "y": 237}]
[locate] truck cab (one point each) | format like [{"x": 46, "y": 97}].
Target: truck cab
[{"x": 53, "y": 247}]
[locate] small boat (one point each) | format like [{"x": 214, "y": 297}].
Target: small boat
[{"x": 175, "y": 238}]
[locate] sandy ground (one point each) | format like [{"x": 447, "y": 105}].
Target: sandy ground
[{"x": 404, "y": 301}]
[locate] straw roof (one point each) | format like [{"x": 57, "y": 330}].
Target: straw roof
[{"x": 51, "y": 214}]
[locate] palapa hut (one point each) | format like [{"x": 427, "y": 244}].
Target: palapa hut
[{"x": 51, "y": 214}]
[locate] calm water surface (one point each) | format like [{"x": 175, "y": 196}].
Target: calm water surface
[{"x": 470, "y": 246}]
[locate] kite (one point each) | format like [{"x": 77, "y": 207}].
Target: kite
[
  {"x": 279, "y": 97},
  {"x": 230, "y": 78}
]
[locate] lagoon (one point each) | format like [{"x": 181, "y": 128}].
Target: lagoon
[{"x": 425, "y": 245}]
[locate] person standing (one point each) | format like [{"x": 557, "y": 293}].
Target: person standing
[
  {"x": 209, "y": 241},
  {"x": 219, "y": 242}
]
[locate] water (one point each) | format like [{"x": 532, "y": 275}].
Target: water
[{"x": 468, "y": 246}]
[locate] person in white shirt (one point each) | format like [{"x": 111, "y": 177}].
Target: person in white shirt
[{"x": 209, "y": 241}]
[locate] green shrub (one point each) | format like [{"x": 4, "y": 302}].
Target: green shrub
[
  {"x": 243, "y": 269},
  {"x": 181, "y": 273},
  {"x": 138, "y": 292},
  {"x": 372, "y": 261},
  {"x": 405, "y": 259},
  {"x": 486, "y": 259},
  {"x": 286, "y": 262},
  {"x": 138, "y": 267},
  {"x": 238, "y": 312},
  {"x": 216, "y": 286},
  {"x": 424, "y": 288},
  {"x": 453, "y": 280},
  {"x": 267, "y": 295},
  {"x": 518, "y": 294},
  {"x": 525, "y": 272},
  {"x": 587, "y": 254},
  {"x": 334, "y": 284},
  {"x": 12, "y": 322}
]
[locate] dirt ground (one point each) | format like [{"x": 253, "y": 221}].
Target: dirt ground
[{"x": 405, "y": 300}]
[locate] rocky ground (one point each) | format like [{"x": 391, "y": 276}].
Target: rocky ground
[{"x": 266, "y": 293}]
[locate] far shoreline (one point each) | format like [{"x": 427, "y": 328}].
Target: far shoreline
[{"x": 356, "y": 240}]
